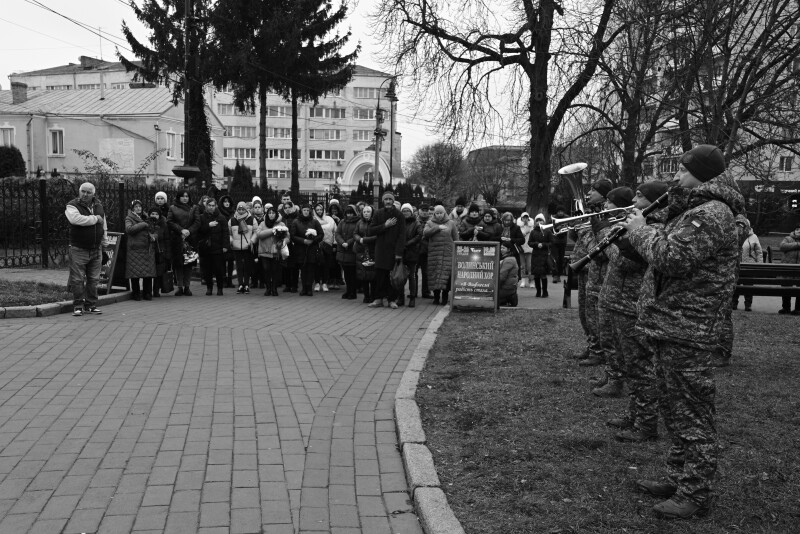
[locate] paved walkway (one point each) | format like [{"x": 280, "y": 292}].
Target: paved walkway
[{"x": 240, "y": 414}]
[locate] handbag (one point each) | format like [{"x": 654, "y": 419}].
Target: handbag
[
  {"x": 167, "y": 282},
  {"x": 398, "y": 276},
  {"x": 365, "y": 267}
]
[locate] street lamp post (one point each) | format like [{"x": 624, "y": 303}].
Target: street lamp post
[{"x": 380, "y": 132}]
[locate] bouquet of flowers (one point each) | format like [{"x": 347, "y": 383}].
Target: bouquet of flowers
[
  {"x": 311, "y": 233},
  {"x": 190, "y": 257},
  {"x": 281, "y": 232}
]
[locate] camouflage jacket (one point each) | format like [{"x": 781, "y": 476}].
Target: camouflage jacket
[
  {"x": 692, "y": 265},
  {"x": 625, "y": 273},
  {"x": 599, "y": 265}
]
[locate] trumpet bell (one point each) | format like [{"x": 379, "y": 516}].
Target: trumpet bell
[{"x": 572, "y": 168}]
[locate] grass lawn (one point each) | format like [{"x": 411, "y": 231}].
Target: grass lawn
[
  {"x": 24, "y": 293},
  {"x": 521, "y": 445}
]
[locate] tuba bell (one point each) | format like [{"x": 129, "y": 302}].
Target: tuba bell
[{"x": 573, "y": 174}]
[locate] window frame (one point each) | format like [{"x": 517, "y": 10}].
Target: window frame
[{"x": 50, "y": 148}]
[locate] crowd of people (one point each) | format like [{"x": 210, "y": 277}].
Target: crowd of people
[{"x": 312, "y": 248}]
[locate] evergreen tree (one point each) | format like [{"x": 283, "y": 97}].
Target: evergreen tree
[
  {"x": 11, "y": 162},
  {"x": 242, "y": 182},
  {"x": 166, "y": 62}
]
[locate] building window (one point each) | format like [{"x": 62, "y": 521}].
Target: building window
[
  {"x": 369, "y": 176},
  {"x": 364, "y": 114},
  {"x": 240, "y": 131},
  {"x": 279, "y": 153},
  {"x": 279, "y": 111},
  {"x": 278, "y": 174},
  {"x": 56, "y": 142},
  {"x": 368, "y": 92},
  {"x": 170, "y": 146},
  {"x": 6, "y": 136},
  {"x": 280, "y": 133},
  {"x": 328, "y": 113},
  {"x": 668, "y": 165},
  {"x": 240, "y": 153},
  {"x": 119, "y": 85},
  {"x": 326, "y": 135},
  {"x": 90, "y": 86},
  {"x": 785, "y": 163},
  {"x": 326, "y": 154},
  {"x": 325, "y": 175},
  {"x": 58, "y": 87},
  {"x": 230, "y": 109},
  {"x": 363, "y": 135}
]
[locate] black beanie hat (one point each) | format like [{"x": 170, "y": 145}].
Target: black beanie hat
[
  {"x": 653, "y": 190},
  {"x": 704, "y": 162},
  {"x": 474, "y": 207},
  {"x": 603, "y": 186},
  {"x": 622, "y": 197},
  {"x": 461, "y": 201}
]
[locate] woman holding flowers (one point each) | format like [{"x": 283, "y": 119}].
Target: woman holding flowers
[{"x": 306, "y": 234}]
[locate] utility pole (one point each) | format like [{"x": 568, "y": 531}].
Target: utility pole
[{"x": 379, "y": 133}]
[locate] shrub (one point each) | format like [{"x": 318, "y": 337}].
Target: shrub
[{"x": 11, "y": 162}]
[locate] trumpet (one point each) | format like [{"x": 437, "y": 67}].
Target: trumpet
[{"x": 615, "y": 215}]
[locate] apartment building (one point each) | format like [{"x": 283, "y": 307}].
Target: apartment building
[{"x": 336, "y": 137}]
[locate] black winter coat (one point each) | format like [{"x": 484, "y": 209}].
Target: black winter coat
[
  {"x": 413, "y": 239},
  {"x": 212, "y": 240},
  {"x": 297, "y": 233},
  {"x": 391, "y": 241}
]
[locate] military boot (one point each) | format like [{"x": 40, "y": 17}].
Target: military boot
[
  {"x": 656, "y": 488},
  {"x": 612, "y": 389},
  {"x": 679, "y": 507}
]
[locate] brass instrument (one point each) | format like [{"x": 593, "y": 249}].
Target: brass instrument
[
  {"x": 559, "y": 226},
  {"x": 573, "y": 174}
]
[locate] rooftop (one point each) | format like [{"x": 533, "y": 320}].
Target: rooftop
[
  {"x": 87, "y": 64},
  {"x": 145, "y": 101}
]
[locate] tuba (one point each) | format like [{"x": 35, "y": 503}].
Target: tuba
[{"x": 573, "y": 174}]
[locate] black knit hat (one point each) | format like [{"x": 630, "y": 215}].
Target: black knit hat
[
  {"x": 603, "y": 186},
  {"x": 653, "y": 190},
  {"x": 475, "y": 208},
  {"x": 621, "y": 197},
  {"x": 704, "y": 162},
  {"x": 461, "y": 201}
]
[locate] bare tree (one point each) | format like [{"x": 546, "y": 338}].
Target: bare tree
[
  {"x": 475, "y": 61},
  {"x": 496, "y": 172},
  {"x": 437, "y": 167}
]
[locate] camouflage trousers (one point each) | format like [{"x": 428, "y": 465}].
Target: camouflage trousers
[
  {"x": 582, "y": 277},
  {"x": 725, "y": 346},
  {"x": 686, "y": 400},
  {"x": 601, "y": 342},
  {"x": 632, "y": 361}
]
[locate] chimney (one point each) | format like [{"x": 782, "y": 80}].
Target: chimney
[{"x": 19, "y": 92}]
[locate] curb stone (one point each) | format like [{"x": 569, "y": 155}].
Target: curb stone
[
  {"x": 430, "y": 502},
  {"x": 55, "y": 308}
]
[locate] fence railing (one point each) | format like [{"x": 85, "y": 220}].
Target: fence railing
[{"x": 34, "y": 230}]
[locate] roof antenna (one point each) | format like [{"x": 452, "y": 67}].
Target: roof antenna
[{"x": 100, "y": 34}]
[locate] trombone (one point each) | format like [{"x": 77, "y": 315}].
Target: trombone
[{"x": 615, "y": 215}]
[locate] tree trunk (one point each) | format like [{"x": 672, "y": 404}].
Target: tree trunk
[
  {"x": 295, "y": 155},
  {"x": 262, "y": 132}
]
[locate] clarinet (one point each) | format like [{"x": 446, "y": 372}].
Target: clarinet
[{"x": 614, "y": 235}]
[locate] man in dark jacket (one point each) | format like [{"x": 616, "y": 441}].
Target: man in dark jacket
[
  {"x": 691, "y": 277},
  {"x": 389, "y": 226},
  {"x": 87, "y": 236}
]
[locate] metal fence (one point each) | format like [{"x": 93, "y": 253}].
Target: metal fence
[{"x": 34, "y": 230}]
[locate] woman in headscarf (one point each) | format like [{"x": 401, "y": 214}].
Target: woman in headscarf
[
  {"x": 539, "y": 241},
  {"x": 183, "y": 223},
  {"x": 162, "y": 246},
  {"x": 345, "y": 251},
  {"x": 411, "y": 253},
  {"x": 306, "y": 233},
  {"x": 268, "y": 252},
  {"x": 257, "y": 273},
  {"x": 141, "y": 253},
  {"x": 365, "y": 251},
  {"x": 441, "y": 233},
  {"x": 240, "y": 226}
]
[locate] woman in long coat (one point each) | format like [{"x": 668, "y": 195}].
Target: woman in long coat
[
  {"x": 441, "y": 233},
  {"x": 539, "y": 241},
  {"x": 345, "y": 250},
  {"x": 183, "y": 221},
  {"x": 141, "y": 258},
  {"x": 306, "y": 246},
  {"x": 364, "y": 247},
  {"x": 162, "y": 246}
]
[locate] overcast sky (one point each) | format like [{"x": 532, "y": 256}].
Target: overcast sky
[{"x": 33, "y": 38}]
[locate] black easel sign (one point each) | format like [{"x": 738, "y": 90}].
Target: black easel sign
[
  {"x": 109, "y": 272},
  {"x": 476, "y": 271}
]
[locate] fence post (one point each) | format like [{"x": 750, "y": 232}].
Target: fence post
[
  {"x": 121, "y": 201},
  {"x": 43, "y": 214}
]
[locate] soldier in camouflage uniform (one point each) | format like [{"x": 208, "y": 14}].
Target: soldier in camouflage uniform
[
  {"x": 633, "y": 362},
  {"x": 610, "y": 384},
  {"x": 691, "y": 277},
  {"x": 594, "y": 280},
  {"x": 725, "y": 348}
]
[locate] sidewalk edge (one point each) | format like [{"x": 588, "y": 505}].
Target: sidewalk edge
[
  {"x": 55, "y": 308},
  {"x": 430, "y": 502}
]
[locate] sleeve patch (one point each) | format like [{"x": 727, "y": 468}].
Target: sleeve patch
[{"x": 697, "y": 223}]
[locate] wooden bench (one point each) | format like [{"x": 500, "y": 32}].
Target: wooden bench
[{"x": 769, "y": 279}]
